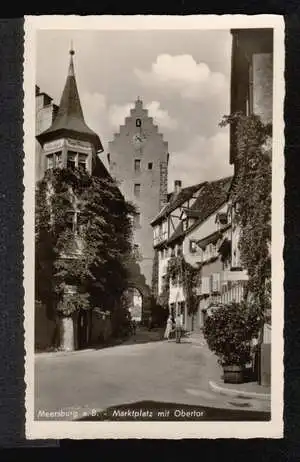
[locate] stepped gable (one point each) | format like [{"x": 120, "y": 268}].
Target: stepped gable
[
  {"x": 69, "y": 120},
  {"x": 210, "y": 198}
]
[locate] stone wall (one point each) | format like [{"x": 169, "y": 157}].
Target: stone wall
[
  {"x": 263, "y": 86},
  {"x": 45, "y": 329}
]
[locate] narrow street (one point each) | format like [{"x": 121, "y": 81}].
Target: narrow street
[{"x": 78, "y": 384}]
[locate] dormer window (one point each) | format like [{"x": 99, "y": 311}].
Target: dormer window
[
  {"x": 50, "y": 161},
  {"x": 71, "y": 160},
  {"x": 58, "y": 159},
  {"x": 82, "y": 162},
  {"x": 76, "y": 160},
  {"x": 54, "y": 160}
]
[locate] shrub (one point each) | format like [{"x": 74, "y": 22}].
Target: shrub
[{"x": 229, "y": 330}]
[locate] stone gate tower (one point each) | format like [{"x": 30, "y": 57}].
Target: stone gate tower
[{"x": 138, "y": 160}]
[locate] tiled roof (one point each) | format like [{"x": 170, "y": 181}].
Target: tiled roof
[
  {"x": 69, "y": 118},
  {"x": 176, "y": 200},
  {"x": 210, "y": 198}
]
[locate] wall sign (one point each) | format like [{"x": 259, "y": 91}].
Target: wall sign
[{"x": 54, "y": 145}]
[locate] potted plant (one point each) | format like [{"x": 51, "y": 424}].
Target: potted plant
[{"x": 228, "y": 331}]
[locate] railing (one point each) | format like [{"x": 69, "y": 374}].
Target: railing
[
  {"x": 222, "y": 291},
  {"x": 235, "y": 293}
]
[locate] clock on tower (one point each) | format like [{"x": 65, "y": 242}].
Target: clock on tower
[{"x": 138, "y": 139}]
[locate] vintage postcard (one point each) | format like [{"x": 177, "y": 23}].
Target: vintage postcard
[{"x": 153, "y": 226}]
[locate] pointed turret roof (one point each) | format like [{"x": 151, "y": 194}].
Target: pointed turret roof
[{"x": 69, "y": 120}]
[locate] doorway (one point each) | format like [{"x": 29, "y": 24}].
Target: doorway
[
  {"x": 135, "y": 303},
  {"x": 84, "y": 328}
]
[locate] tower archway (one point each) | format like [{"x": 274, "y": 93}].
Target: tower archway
[{"x": 140, "y": 295}]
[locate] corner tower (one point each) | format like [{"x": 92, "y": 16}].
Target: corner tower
[
  {"x": 138, "y": 160},
  {"x": 69, "y": 142}
]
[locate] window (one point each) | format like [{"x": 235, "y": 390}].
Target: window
[
  {"x": 70, "y": 220},
  {"x": 137, "y": 220},
  {"x": 193, "y": 246},
  {"x": 137, "y": 165},
  {"x": 58, "y": 159},
  {"x": 150, "y": 166},
  {"x": 138, "y": 123},
  {"x": 71, "y": 160},
  {"x": 82, "y": 162},
  {"x": 81, "y": 222},
  {"x": 50, "y": 161},
  {"x": 137, "y": 190}
]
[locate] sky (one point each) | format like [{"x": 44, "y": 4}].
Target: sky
[{"x": 182, "y": 77}]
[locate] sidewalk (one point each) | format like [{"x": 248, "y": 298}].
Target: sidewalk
[
  {"x": 251, "y": 390},
  {"x": 241, "y": 390}
]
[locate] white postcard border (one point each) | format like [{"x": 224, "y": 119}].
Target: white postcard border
[{"x": 156, "y": 430}]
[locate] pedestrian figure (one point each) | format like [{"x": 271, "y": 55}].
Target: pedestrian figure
[
  {"x": 178, "y": 328},
  {"x": 133, "y": 327},
  {"x": 169, "y": 328},
  {"x": 150, "y": 323}
]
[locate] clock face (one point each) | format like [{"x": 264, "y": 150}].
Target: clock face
[{"x": 139, "y": 139}]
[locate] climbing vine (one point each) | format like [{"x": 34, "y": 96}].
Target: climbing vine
[
  {"x": 79, "y": 252},
  {"x": 251, "y": 202},
  {"x": 179, "y": 270}
]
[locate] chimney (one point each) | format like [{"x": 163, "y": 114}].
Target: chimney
[{"x": 177, "y": 186}]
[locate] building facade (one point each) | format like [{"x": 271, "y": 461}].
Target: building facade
[
  {"x": 138, "y": 160},
  {"x": 45, "y": 112},
  {"x": 65, "y": 141},
  {"x": 196, "y": 225},
  {"x": 251, "y": 76},
  {"x": 252, "y": 93}
]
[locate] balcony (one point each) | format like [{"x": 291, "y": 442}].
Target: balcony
[
  {"x": 224, "y": 287},
  {"x": 234, "y": 276}
]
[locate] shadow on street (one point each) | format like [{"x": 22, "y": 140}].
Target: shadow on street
[{"x": 161, "y": 411}]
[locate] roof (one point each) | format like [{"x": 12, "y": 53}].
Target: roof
[
  {"x": 212, "y": 196},
  {"x": 175, "y": 201},
  {"x": 69, "y": 119},
  {"x": 212, "y": 238}
]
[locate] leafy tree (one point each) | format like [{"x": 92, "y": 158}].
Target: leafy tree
[{"x": 83, "y": 237}]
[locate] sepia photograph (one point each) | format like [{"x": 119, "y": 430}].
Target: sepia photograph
[{"x": 153, "y": 226}]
